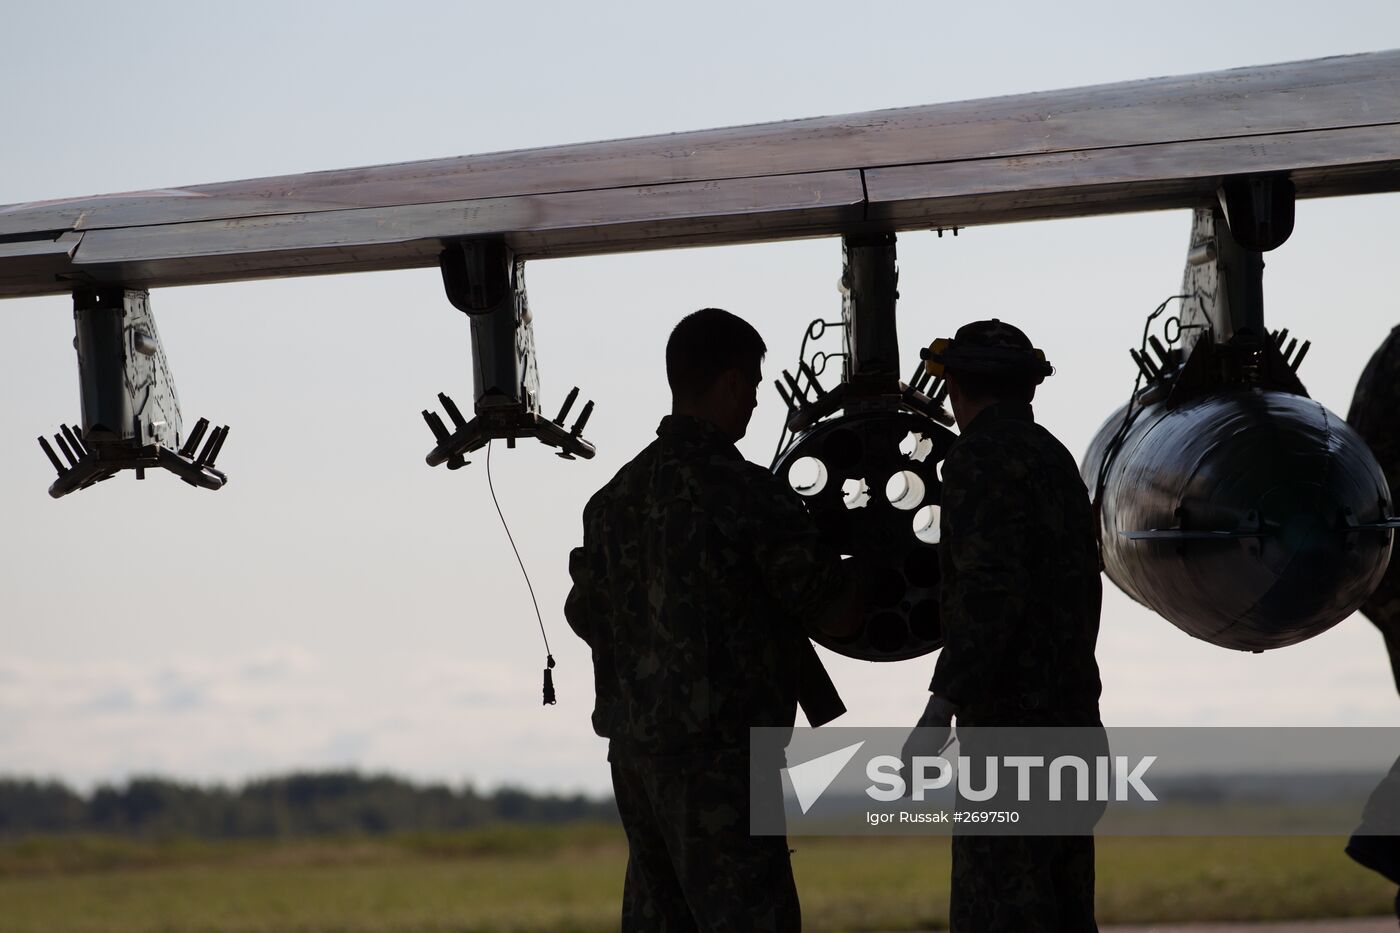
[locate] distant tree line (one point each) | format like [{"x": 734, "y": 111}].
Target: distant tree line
[{"x": 291, "y": 805}]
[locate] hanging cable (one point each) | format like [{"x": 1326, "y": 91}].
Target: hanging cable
[{"x": 549, "y": 698}]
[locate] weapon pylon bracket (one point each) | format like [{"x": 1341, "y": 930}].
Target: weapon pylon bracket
[
  {"x": 870, "y": 347},
  {"x": 1259, "y": 209},
  {"x": 485, "y": 280},
  {"x": 1225, "y": 338},
  {"x": 131, "y": 414},
  {"x": 864, "y": 460}
]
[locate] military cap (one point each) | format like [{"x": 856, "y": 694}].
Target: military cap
[{"x": 990, "y": 348}]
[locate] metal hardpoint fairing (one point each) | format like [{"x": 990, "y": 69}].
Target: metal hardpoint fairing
[
  {"x": 131, "y": 414},
  {"x": 485, "y": 280}
]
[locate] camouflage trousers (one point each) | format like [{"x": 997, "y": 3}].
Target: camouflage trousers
[
  {"x": 1023, "y": 884},
  {"x": 691, "y": 864}
]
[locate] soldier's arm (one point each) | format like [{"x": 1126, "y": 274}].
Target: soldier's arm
[
  {"x": 987, "y": 502},
  {"x": 800, "y": 570},
  {"x": 588, "y": 597},
  {"x": 846, "y": 614},
  {"x": 577, "y": 604}
]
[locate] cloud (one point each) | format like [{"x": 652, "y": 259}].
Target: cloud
[
  {"x": 114, "y": 700},
  {"x": 433, "y": 715},
  {"x": 230, "y": 718}
]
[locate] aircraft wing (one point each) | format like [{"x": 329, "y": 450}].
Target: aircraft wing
[{"x": 1332, "y": 124}]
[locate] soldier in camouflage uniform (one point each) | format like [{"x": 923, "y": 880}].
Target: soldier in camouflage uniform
[
  {"x": 1020, "y": 610},
  {"x": 696, "y": 570},
  {"x": 1375, "y": 414}
]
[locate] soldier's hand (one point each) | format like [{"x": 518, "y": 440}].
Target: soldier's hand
[{"x": 930, "y": 736}]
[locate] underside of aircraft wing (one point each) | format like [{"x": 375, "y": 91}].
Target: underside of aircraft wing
[{"x": 1331, "y": 125}]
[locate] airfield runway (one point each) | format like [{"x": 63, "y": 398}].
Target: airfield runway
[
  {"x": 1354, "y": 925},
  {"x": 1362, "y": 925}
]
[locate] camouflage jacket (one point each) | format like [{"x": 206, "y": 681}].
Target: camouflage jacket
[
  {"x": 1020, "y": 567},
  {"x": 1373, "y": 415},
  {"x": 695, "y": 570}
]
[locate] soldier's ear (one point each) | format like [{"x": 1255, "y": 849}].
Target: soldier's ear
[{"x": 733, "y": 382}]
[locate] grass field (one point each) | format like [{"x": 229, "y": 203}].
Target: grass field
[{"x": 516, "y": 878}]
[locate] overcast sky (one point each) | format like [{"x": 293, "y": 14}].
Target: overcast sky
[{"x": 341, "y": 604}]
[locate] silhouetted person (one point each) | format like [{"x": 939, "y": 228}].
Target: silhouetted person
[
  {"x": 697, "y": 572},
  {"x": 1375, "y": 414},
  {"x": 1020, "y": 611}
]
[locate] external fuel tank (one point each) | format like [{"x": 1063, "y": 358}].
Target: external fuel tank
[
  {"x": 1230, "y": 502},
  {"x": 1248, "y": 517}
]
